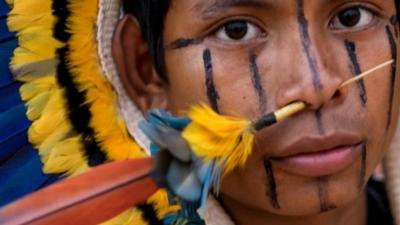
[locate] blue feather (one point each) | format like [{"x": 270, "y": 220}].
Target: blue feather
[
  {"x": 13, "y": 128},
  {"x": 9, "y": 96},
  {"x": 4, "y": 34},
  {"x": 21, "y": 175},
  {"x": 4, "y": 8},
  {"x": 8, "y": 43},
  {"x": 6, "y": 78}
]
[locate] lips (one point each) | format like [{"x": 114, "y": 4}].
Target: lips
[{"x": 319, "y": 155}]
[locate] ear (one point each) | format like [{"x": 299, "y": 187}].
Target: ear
[{"x": 132, "y": 58}]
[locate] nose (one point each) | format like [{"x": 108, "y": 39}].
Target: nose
[{"x": 309, "y": 77}]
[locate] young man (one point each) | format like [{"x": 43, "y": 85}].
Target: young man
[
  {"x": 247, "y": 58},
  {"x": 244, "y": 58}
]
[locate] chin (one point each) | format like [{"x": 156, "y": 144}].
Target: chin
[{"x": 295, "y": 195}]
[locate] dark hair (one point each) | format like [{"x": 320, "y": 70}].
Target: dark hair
[
  {"x": 150, "y": 15},
  {"x": 397, "y": 8}
]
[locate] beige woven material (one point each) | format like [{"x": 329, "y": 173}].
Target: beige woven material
[
  {"x": 215, "y": 214},
  {"x": 109, "y": 13}
]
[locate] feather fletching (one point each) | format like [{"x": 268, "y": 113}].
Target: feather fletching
[{"x": 228, "y": 140}]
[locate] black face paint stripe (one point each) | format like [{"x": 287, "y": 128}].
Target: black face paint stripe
[
  {"x": 306, "y": 43},
  {"x": 78, "y": 111},
  {"x": 212, "y": 93},
  {"x": 363, "y": 165},
  {"x": 183, "y": 43},
  {"x": 320, "y": 126},
  {"x": 356, "y": 69},
  {"x": 325, "y": 205},
  {"x": 257, "y": 84},
  {"x": 394, "y": 22},
  {"x": 272, "y": 193},
  {"x": 393, "y": 51}
]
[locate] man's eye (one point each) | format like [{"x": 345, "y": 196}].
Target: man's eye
[
  {"x": 239, "y": 30},
  {"x": 352, "y": 18}
]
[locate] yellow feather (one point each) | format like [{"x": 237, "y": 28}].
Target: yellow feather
[
  {"x": 36, "y": 105},
  {"x": 53, "y": 119},
  {"x": 161, "y": 204},
  {"x": 228, "y": 140},
  {"x": 65, "y": 157},
  {"x": 129, "y": 217},
  {"x": 10, "y": 2},
  {"x": 32, "y": 89},
  {"x": 34, "y": 22}
]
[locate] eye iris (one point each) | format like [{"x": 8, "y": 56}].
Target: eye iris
[
  {"x": 236, "y": 30},
  {"x": 350, "y": 17}
]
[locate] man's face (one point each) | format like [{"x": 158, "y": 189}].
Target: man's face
[{"x": 250, "y": 57}]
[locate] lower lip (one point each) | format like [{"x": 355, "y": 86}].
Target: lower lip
[{"x": 319, "y": 164}]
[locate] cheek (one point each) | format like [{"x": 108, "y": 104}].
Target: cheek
[
  {"x": 185, "y": 72},
  {"x": 190, "y": 77},
  {"x": 233, "y": 77}
]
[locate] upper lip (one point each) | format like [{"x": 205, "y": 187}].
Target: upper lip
[{"x": 315, "y": 144}]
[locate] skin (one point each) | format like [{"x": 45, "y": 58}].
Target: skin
[{"x": 293, "y": 65}]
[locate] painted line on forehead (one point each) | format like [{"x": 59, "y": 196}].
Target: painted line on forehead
[
  {"x": 272, "y": 193},
  {"x": 184, "y": 42},
  {"x": 393, "y": 53},
  {"x": 212, "y": 92},
  {"x": 356, "y": 69},
  {"x": 306, "y": 43},
  {"x": 318, "y": 117},
  {"x": 257, "y": 83},
  {"x": 363, "y": 165},
  {"x": 323, "y": 196}
]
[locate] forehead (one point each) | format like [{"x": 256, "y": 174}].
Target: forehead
[{"x": 208, "y": 7}]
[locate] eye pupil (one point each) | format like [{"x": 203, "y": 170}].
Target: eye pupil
[
  {"x": 350, "y": 17},
  {"x": 236, "y": 30}
]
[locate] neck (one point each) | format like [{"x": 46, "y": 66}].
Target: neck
[{"x": 354, "y": 213}]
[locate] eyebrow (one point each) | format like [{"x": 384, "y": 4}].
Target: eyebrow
[{"x": 207, "y": 9}]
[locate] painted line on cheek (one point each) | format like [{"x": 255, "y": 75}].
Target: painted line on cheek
[
  {"x": 393, "y": 51},
  {"x": 323, "y": 195},
  {"x": 363, "y": 165},
  {"x": 397, "y": 5},
  {"x": 356, "y": 69},
  {"x": 212, "y": 93},
  {"x": 256, "y": 80},
  {"x": 272, "y": 193},
  {"x": 394, "y": 22},
  {"x": 318, "y": 116},
  {"x": 306, "y": 42},
  {"x": 184, "y": 42}
]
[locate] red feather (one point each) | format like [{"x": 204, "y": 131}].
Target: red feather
[{"x": 90, "y": 198}]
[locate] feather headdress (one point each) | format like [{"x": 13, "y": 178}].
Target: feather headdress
[{"x": 71, "y": 105}]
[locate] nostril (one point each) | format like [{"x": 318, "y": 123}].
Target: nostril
[{"x": 337, "y": 94}]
